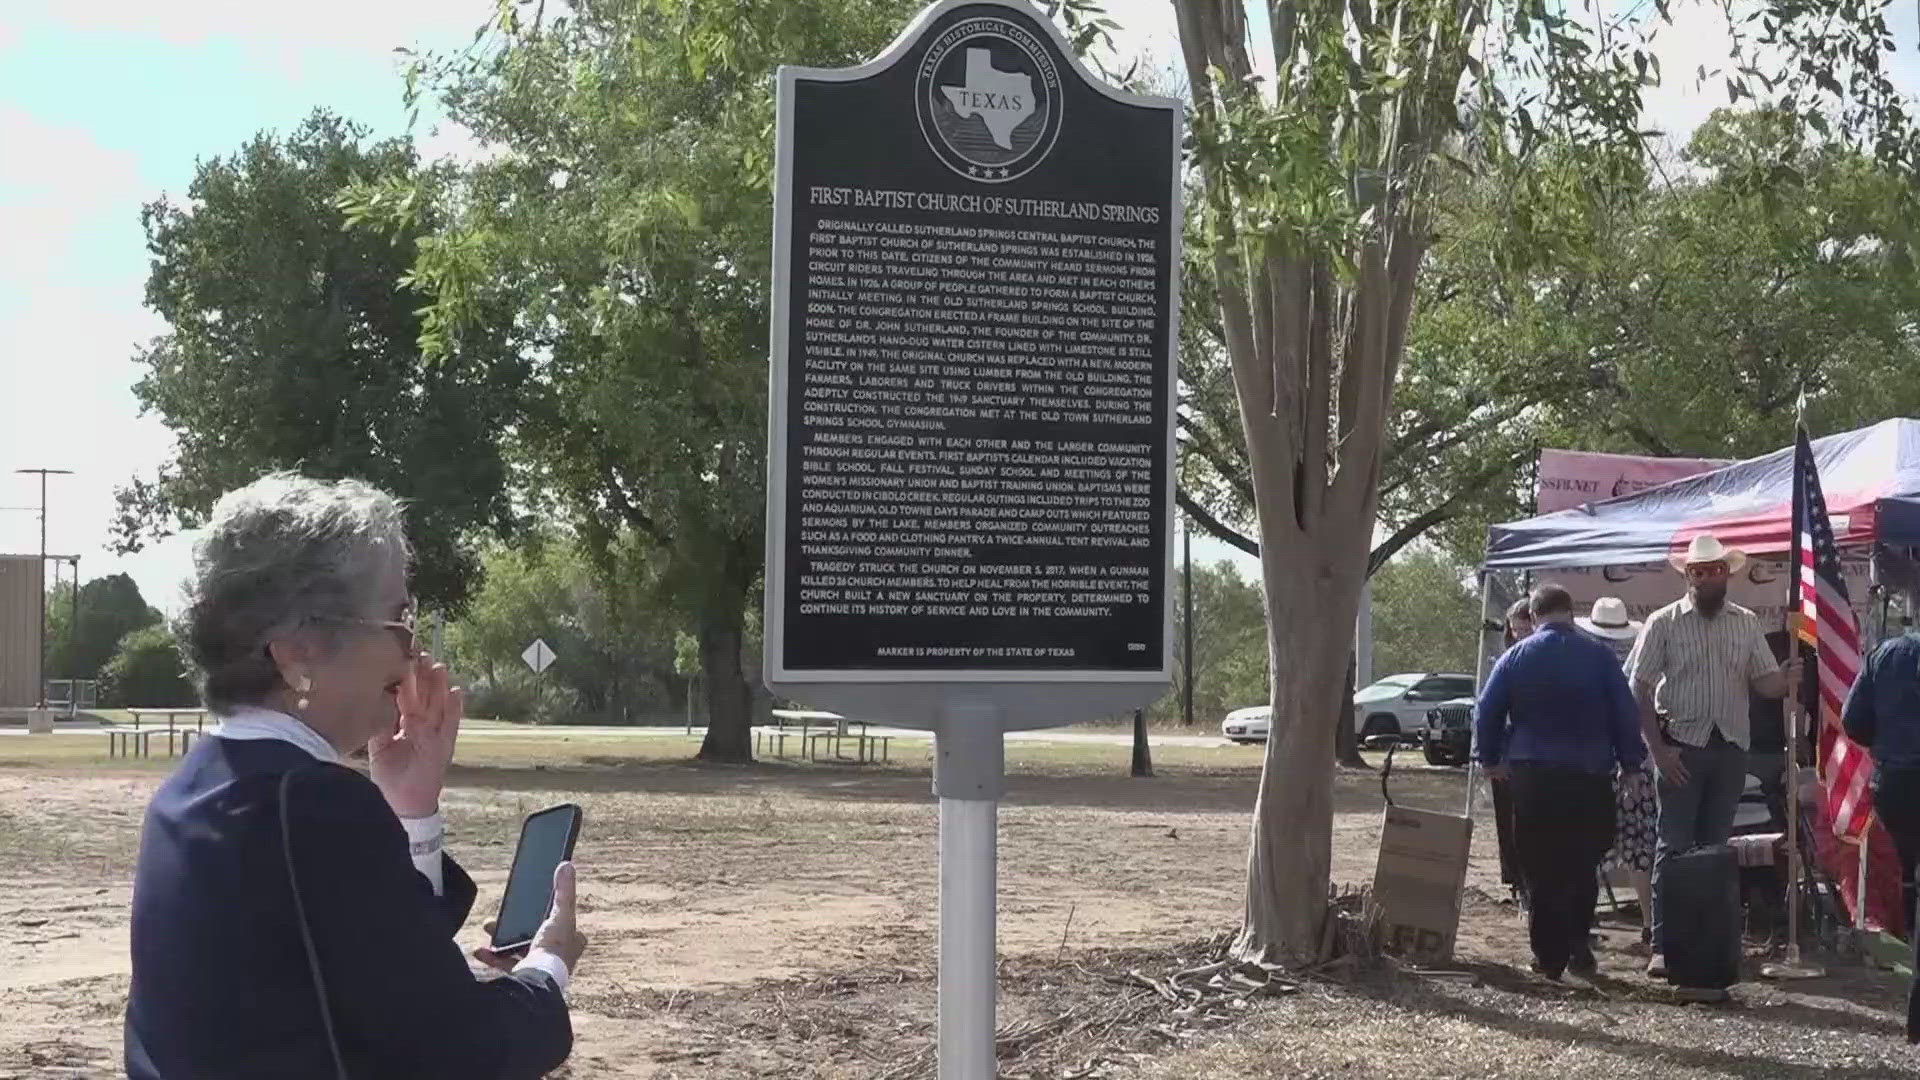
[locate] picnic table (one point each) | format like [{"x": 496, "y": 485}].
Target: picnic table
[
  {"x": 815, "y": 731},
  {"x": 865, "y": 742},
  {"x": 138, "y": 741},
  {"x": 127, "y": 742}
]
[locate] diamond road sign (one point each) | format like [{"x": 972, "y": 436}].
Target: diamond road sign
[{"x": 539, "y": 656}]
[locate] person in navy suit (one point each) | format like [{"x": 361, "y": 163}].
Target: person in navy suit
[{"x": 293, "y": 916}]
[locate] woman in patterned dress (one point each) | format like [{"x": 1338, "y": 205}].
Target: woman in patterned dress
[{"x": 1636, "y": 815}]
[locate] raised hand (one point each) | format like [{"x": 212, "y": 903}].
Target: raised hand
[{"x": 410, "y": 765}]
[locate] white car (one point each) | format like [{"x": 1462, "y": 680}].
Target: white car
[
  {"x": 1398, "y": 704},
  {"x": 1248, "y": 725}
]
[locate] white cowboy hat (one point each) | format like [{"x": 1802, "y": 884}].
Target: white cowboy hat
[
  {"x": 1707, "y": 548},
  {"x": 1609, "y": 620}
]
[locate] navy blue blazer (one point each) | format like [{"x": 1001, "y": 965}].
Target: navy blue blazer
[{"x": 222, "y": 987}]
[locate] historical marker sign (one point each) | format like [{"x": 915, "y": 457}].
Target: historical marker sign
[{"x": 976, "y": 286}]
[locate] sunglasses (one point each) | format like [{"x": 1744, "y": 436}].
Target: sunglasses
[{"x": 1706, "y": 571}]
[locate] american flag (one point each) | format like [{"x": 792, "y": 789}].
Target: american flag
[{"x": 1826, "y": 621}]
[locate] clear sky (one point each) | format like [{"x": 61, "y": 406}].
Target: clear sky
[{"x": 107, "y": 105}]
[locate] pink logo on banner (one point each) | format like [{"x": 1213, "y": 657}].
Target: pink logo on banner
[{"x": 1570, "y": 478}]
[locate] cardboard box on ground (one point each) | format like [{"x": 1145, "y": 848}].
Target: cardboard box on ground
[{"x": 1418, "y": 882}]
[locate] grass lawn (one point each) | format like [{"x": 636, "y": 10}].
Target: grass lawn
[{"x": 581, "y": 750}]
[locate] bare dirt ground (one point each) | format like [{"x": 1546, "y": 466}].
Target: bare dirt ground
[{"x": 778, "y": 921}]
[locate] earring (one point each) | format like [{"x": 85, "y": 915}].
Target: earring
[{"x": 306, "y": 685}]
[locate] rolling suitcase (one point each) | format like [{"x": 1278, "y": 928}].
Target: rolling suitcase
[{"x": 1700, "y": 900}]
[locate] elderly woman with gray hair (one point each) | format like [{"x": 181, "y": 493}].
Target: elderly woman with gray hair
[{"x": 294, "y": 917}]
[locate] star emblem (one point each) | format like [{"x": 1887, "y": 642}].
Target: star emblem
[
  {"x": 1003, "y": 174},
  {"x": 973, "y": 170}
]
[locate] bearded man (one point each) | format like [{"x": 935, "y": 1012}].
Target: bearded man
[{"x": 1693, "y": 670}]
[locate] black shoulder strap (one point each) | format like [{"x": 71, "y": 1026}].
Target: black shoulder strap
[{"x": 306, "y": 934}]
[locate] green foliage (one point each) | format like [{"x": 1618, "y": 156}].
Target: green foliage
[
  {"x": 614, "y": 652},
  {"x": 110, "y": 608},
  {"x": 292, "y": 343},
  {"x": 1688, "y": 320},
  {"x": 519, "y": 700},
  {"x": 627, "y": 222},
  {"x": 1320, "y": 191},
  {"x": 147, "y": 671},
  {"x": 1229, "y": 646},
  {"x": 1684, "y": 317},
  {"x": 1424, "y": 614}
]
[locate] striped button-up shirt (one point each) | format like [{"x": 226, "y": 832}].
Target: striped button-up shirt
[{"x": 1702, "y": 669}]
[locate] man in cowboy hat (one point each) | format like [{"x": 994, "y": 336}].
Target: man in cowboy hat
[{"x": 1697, "y": 661}]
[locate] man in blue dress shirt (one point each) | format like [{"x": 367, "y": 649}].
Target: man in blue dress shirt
[
  {"x": 1554, "y": 718},
  {"x": 1882, "y": 713}
]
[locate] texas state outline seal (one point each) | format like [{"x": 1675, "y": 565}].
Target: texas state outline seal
[{"x": 987, "y": 92}]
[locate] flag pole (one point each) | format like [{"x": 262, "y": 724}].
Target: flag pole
[
  {"x": 1860, "y": 883},
  {"x": 1793, "y": 965}
]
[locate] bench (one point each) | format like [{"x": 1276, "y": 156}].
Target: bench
[
  {"x": 130, "y": 742},
  {"x": 176, "y": 726},
  {"x": 865, "y": 743},
  {"x": 776, "y": 739}
]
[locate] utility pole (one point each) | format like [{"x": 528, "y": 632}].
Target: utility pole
[
  {"x": 73, "y": 628},
  {"x": 40, "y": 659}
]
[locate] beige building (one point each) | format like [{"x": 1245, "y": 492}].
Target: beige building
[{"x": 22, "y": 580}]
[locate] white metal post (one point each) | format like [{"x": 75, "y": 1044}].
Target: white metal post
[
  {"x": 1480, "y": 667},
  {"x": 969, "y": 775}
]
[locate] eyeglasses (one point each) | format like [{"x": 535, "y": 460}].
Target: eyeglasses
[
  {"x": 402, "y": 630},
  {"x": 1706, "y": 571}
]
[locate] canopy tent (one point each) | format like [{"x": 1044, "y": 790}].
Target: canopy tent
[{"x": 1871, "y": 478}]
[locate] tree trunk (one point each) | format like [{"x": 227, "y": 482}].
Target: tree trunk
[
  {"x": 1289, "y": 856},
  {"x": 729, "y": 700},
  {"x": 1346, "y": 736},
  {"x": 729, "y": 712},
  {"x": 1142, "y": 752}
]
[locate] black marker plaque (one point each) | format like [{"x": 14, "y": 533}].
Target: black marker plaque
[{"x": 974, "y": 303}]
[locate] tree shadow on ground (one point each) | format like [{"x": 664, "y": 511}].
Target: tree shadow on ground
[
  {"x": 1865, "y": 987},
  {"x": 1176, "y": 789},
  {"x": 1659, "y": 1055}
]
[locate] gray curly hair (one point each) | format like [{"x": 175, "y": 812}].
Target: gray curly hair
[{"x": 281, "y": 553}]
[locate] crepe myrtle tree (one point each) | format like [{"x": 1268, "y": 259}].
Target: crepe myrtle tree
[{"x": 1321, "y": 132}]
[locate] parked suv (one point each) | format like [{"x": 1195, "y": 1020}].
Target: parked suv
[
  {"x": 1398, "y": 704},
  {"x": 1449, "y": 738}
]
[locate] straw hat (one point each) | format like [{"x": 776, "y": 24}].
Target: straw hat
[
  {"x": 1609, "y": 620},
  {"x": 1707, "y": 548}
]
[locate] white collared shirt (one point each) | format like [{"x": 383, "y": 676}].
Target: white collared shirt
[
  {"x": 1702, "y": 669},
  {"x": 425, "y": 836}
]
